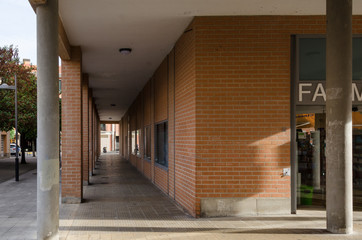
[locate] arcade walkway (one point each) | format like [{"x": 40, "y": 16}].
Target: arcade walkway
[{"x": 121, "y": 204}]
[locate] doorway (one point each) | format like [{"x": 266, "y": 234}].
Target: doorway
[{"x": 311, "y": 160}]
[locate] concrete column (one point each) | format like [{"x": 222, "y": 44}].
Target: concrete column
[
  {"x": 339, "y": 117},
  {"x": 316, "y": 160},
  {"x": 48, "y": 121}
]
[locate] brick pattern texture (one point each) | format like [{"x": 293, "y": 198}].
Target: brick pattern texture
[
  {"x": 227, "y": 102},
  {"x": 185, "y": 121},
  {"x": 72, "y": 127}
]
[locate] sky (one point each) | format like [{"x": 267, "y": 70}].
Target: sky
[{"x": 18, "y": 27}]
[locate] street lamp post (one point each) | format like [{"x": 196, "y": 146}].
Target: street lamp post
[{"x": 5, "y": 86}]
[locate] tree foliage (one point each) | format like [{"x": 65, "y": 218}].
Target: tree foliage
[{"x": 26, "y": 87}]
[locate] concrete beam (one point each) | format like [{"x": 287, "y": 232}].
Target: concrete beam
[
  {"x": 109, "y": 122},
  {"x": 63, "y": 43},
  {"x": 34, "y": 3},
  {"x": 64, "y": 46}
]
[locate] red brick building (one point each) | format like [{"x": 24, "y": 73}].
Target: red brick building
[{"x": 207, "y": 105}]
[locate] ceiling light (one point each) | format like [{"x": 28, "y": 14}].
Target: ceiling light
[
  {"x": 113, "y": 105},
  {"x": 125, "y": 51},
  {"x": 110, "y": 118}
]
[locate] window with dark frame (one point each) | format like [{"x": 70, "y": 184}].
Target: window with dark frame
[
  {"x": 137, "y": 149},
  {"x": 133, "y": 142},
  {"x": 312, "y": 58},
  {"x": 147, "y": 142},
  {"x": 103, "y": 127},
  {"x": 161, "y": 144}
]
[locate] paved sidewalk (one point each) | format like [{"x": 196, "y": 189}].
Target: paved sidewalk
[
  {"x": 121, "y": 204},
  {"x": 18, "y": 208}
]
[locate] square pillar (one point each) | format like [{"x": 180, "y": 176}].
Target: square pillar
[
  {"x": 72, "y": 187},
  {"x": 85, "y": 134},
  {"x": 90, "y": 132}
]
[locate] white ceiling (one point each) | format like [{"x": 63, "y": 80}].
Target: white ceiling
[{"x": 150, "y": 28}]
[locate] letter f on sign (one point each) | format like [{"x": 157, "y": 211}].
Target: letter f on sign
[{"x": 301, "y": 92}]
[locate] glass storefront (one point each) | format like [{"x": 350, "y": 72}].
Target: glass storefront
[
  {"x": 309, "y": 81},
  {"x": 311, "y": 144}
]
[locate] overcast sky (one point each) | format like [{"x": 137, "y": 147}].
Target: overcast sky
[{"x": 18, "y": 27}]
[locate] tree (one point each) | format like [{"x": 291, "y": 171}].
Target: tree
[{"x": 26, "y": 87}]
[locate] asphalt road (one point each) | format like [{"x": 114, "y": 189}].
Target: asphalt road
[{"x": 7, "y": 167}]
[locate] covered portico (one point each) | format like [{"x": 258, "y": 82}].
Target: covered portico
[{"x": 99, "y": 83}]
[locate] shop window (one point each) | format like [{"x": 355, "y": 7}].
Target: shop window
[
  {"x": 161, "y": 144},
  {"x": 147, "y": 142}
]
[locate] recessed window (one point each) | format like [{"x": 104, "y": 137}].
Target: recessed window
[
  {"x": 161, "y": 146},
  {"x": 312, "y": 59},
  {"x": 133, "y": 142},
  {"x": 147, "y": 142},
  {"x": 137, "y": 150}
]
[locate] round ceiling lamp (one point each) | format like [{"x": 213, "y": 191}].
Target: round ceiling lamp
[{"x": 125, "y": 51}]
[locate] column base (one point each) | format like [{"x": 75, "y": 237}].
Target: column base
[
  {"x": 340, "y": 230},
  {"x": 234, "y": 207},
  {"x": 71, "y": 200}
]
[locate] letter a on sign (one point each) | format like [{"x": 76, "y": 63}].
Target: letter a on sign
[{"x": 319, "y": 92}]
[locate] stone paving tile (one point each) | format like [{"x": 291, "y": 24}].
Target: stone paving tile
[{"x": 121, "y": 204}]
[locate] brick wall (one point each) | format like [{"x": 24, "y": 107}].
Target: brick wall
[
  {"x": 185, "y": 122},
  {"x": 242, "y": 99},
  {"x": 227, "y": 103},
  {"x": 160, "y": 90},
  {"x": 171, "y": 124},
  {"x": 72, "y": 128},
  {"x": 161, "y": 178},
  {"x": 243, "y": 103}
]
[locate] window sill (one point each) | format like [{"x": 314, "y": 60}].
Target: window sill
[{"x": 161, "y": 166}]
